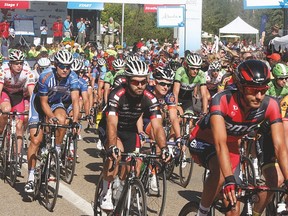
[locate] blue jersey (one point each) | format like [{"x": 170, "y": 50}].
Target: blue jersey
[
  {"x": 57, "y": 91},
  {"x": 83, "y": 86}
]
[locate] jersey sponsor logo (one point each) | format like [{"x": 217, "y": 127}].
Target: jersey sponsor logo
[
  {"x": 150, "y": 96},
  {"x": 45, "y": 77},
  {"x": 235, "y": 107},
  {"x": 235, "y": 128}
]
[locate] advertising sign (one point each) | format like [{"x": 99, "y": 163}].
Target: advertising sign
[
  {"x": 11, "y": 4},
  {"x": 170, "y": 16},
  {"x": 264, "y": 4}
]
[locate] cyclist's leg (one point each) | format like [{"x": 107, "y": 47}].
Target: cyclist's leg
[{"x": 5, "y": 106}]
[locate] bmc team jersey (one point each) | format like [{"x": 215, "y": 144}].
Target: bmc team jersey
[
  {"x": 57, "y": 91},
  {"x": 188, "y": 83},
  {"x": 129, "y": 109},
  {"x": 237, "y": 123},
  {"x": 15, "y": 82}
]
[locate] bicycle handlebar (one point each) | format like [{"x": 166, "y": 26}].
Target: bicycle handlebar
[{"x": 43, "y": 124}]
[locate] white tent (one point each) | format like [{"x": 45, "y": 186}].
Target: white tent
[{"x": 238, "y": 26}]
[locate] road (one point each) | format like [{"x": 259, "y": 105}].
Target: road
[{"x": 75, "y": 199}]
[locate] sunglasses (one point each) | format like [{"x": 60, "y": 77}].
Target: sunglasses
[
  {"x": 17, "y": 63},
  {"x": 283, "y": 78},
  {"x": 62, "y": 66},
  {"x": 164, "y": 84},
  {"x": 194, "y": 68},
  {"x": 136, "y": 82},
  {"x": 254, "y": 90}
]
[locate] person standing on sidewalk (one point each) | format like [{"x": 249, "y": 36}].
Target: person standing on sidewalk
[{"x": 81, "y": 31}]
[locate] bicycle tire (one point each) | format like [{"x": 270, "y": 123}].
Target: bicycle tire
[
  {"x": 185, "y": 167},
  {"x": 136, "y": 193},
  {"x": 169, "y": 169},
  {"x": 96, "y": 204},
  {"x": 4, "y": 155},
  {"x": 156, "y": 200},
  {"x": 13, "y": 160},
  {"x": 70, "y": 157},
  {"x": 52, "y": 174},
  {"x": 190, "y": 208},
  {"x": 248, "y": 171},
  {"x": 37, "y": 181}
]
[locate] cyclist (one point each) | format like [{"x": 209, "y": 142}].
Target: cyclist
[
  {"x": 54, "y": 85},
  {"x": 213, "y": 77},
  {"x": 14, "y": 76},
  {"x": 95, "y": 73},
  {"x": 186, "y": 79},
  {"x": 125, "y": 105},
  {"x": 234, "y": 113}
]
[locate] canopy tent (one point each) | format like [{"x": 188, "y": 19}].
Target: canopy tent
[{"x": 238, "y": 26}]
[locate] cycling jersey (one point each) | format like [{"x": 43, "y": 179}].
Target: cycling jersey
[
  {"x": 188, "y": 83},
  {"x": 212, "y": 82},
  {"x": 275, "y": 91},
  {"x": 110, "y": 77}
]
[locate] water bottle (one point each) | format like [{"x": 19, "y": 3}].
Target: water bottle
[
  {"x": 115, "y": 186},
  {"x": 281, "y": 207}
]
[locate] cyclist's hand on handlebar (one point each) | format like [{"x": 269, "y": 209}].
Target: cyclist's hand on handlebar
[
  {"x": 113, "y": 152},
  {"x": 166, "y": 156},
  {"x": 76, "y": 127},
  {"x": 229, "y": 189},
  {"x": 53, "y": 120}
]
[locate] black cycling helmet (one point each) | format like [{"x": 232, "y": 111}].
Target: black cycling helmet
[
  {"x": 164, "y": 73},
  {"x": 252, "y": 73}
]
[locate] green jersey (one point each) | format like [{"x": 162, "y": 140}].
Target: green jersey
[
  {"x": 275, "y": 91},
  {"x": 188, "y": 83},
  {"x": 110, "y": 76}
]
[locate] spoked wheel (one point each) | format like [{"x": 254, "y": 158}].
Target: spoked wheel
[
  {"x": 37, "y": 182},
  {"x": 135, "y": 201},
  {"x": 4, "y": 159},
  {"x": 190, "y": 209},
  {"x": 185, "y": 167},
  {"x": 97, "y": 197},
  {"x": 70, "y": 159},
  {"x": 52, "y": 173},
  {"x": 13, "y": 158},
  {"x": 156, "y": 199},
  {"x": 169, "y": 168},
  {"x": 248, "y": 172}
]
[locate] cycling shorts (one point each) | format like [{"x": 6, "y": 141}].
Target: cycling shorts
[
  {"x": 16, "y": 101},
  {"x": 195, "y": 105},
  {"x": 267, "y": 149}
]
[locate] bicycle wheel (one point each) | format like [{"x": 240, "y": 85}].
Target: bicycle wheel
[
  {"x": 96, "y": 204},
  {"x": 13, "y": 158},
  {"x": 135, "y": 201},
  {"x": 37, "y": 180},
  {"x": 248, "y": 172},
  {"x": 169, "y": 168},
  {"x": 70, "y": 158},
  {"x": 185, "y": 167},
  {"x": 52, "y": 173},
  {"x": 4, "y": 155},
  {"x": 156, "y": 199},
  {"x": 190, "y": 208}
]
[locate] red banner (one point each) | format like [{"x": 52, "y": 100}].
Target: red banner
[
  {"x": 11, "y": 4},
  {"x": 151, "y": 8}
]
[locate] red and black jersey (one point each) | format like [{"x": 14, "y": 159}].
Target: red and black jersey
[
  {"x": 129, "y": 108},
  {"x": 227, "y": 104}
]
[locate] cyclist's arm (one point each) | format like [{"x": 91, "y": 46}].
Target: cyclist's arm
[
  {"x": 140, "y": 124},
  {"x": 158, "y": 132},
  {"x": 220, "y": 140},
  {"x": 204, "y": 90},
  {"x": 75, "y": 104},
  {"x": 277, "y": 131},
  {"x": 174, "y": 121},
  {"x": 176, "y": 89},
  {"x": 112, "y": 122},
  {"x": 30, "y": 89},
  {"x": 100, "y": 92},
  {"x": 45, "y": 107}
]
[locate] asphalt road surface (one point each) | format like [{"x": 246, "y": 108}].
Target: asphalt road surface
[{"x": 75, "y": 199}]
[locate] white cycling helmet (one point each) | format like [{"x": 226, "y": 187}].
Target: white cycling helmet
[
  {"x": 132, "y": 58},
  {"x": 215, "y": 65},
  {"x": 64, "y": 57},
  {"x": 118, "y": 64},
  {"x": 164, "y": 73},
  {"x": 16, "y": 55},
  {"x": 44, "y": 62},
  {"x": 136, "y": 68},
  {"x": 77, "y": 65},
  {"x": 101, "y": 61},
  {"x": 194, "y": 60}
]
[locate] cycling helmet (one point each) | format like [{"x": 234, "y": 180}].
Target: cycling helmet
[
  {"x": 215, "y": 65},
  {"x": 44, "y": 62},
  {"x": 51, "y": 57},
  {"x": 101, "y": 61},
  {"x": 136, "y": 68},
  {"x": 164, "y": 73},
  {"x": 16, "y": 55},
  {"x": 132, "y": 58},
  {"x": 252, "y": 73},
  {"x": 280, "y": 71},
  {"x": 174, "y": 65},
  {"x": 64, "y": 57},
  {"x": 76, "y": 65},
  {"x": 194, "y": 60},
  {"x": 118, "y": 64}
]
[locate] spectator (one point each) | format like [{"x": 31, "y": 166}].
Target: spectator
[
  {"x": 67, "y": 27},
  {"x": 88, "y": 28},
  {"x": 273, "y": 59},
  {"x": 274, "y": 33},
  {"x": 57, "y": 30},
  {"x": 43, "y": 31},
  {"x": 4, "y": 33},
  {"x": 33, "y": 53},
  {"x": 11, "y": 34},
  {"x": 81, "y": 31},
  {"x": 111, "y": 28}
]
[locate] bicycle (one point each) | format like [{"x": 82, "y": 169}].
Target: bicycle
[
  {"x": 180, "y": 154},
  {"x": 9, "y": 149},
  {"x": 132, "y": 200},
  {"x": 47, "y": 170},
  {"x": 151, "y": 167}
]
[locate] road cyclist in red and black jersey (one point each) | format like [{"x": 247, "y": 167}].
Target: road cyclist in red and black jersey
[
  {"x": 234, "y": 113},
  {"x": 118, "y": 130}
]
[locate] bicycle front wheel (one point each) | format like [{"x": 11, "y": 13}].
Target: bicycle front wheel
[
  {"x": 70, "y": 158},
  {"x": 169, "y": 168},
  {"x": 191, "y": 208},
  {"x": 4, "y": 155},
  {"x": 13, "y": 158},
  {"x": 185, "y": 167},
  {"x": 248, "y": 172},
  {"x": 135, "y": 203},
  {"x": 52, "y": 178},
  {"x": 97, "y": 197}
]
